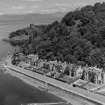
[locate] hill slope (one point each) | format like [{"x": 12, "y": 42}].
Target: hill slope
[{"x": 79, "y": 37}]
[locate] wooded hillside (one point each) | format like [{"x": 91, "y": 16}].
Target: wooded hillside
[{"x": 79, "y": 38}]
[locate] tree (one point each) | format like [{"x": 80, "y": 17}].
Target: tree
[{"x": 96, "y": 57}]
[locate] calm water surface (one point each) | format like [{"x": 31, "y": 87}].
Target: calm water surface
[{"x": 13, "y": 91}]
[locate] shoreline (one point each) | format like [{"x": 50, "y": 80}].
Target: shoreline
[
  {"x": 69, "y": 98},
  {"x": 34, "y": 83}
]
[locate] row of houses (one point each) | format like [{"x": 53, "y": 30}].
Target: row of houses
[{"x": 92, "y": 74}]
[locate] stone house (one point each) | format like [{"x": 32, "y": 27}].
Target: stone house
[
  {"x": 93, "y": 74},
  {"x": 73, "y": 70},
  {"x": 33, "y": 57}
]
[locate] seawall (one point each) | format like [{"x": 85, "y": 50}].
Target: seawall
[{"x": 59, "y": 88}]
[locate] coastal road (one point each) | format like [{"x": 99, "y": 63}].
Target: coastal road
[
  {"x": 63, "y": 86},
  {"x": 74, "y": 100},
  {"x": 87, "y": 95}
]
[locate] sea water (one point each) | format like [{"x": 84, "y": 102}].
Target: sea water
[{"x": 14, "y": 91}]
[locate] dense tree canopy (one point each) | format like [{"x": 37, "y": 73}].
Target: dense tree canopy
[{"x": 79, "y": 37}]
